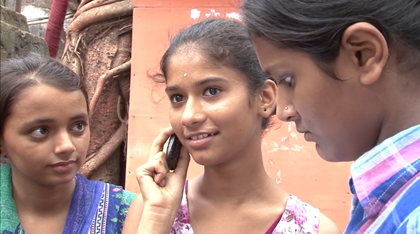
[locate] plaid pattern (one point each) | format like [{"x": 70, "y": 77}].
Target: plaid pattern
[{"x": 385, "y": 184}]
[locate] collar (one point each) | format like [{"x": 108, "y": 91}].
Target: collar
[{"x": 381, "y": 172}]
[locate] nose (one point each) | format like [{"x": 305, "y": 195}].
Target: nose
[
  {"x": 63, "y": 143},
  {"x": 192, "y": 113},
  {"x": 287, "y": 112}
]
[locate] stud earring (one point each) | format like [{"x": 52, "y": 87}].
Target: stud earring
[
  {"x": 286, "y": 108},
  {"x": 265, "y": 109}
]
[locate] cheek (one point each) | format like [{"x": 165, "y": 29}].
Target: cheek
[
  {"x": 175, "y": 120},
  {"x": 27, "y": 155},
  {"x": 83, "y": 143}
]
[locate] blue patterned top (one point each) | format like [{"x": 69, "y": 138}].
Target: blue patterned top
[
  {"x": 385, "y": 184},
  {"x": 96, "y": 207}
]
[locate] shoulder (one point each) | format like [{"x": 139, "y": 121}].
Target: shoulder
[
  {"x": 118, "y": 192},
  {"x": 5, "y": 170},
  {"x": 309, "y": 217},
  {"x": 128, "y": 197},
  {"x": 327, "y": 226},
  {"x": 5, "y": 178},
  {"x": 297, "y": 206},
  {"x": 411, "y": 223}
]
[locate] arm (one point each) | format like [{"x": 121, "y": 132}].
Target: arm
[
  {"x": 134, "y": 214},
  {"x": 154, "y": 210},
  {"x": 145, "y": 219},
  {"x": 156, "y": 221},
  {"x": 327, "y": 226}
]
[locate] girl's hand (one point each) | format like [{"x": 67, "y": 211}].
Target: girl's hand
[{"x": 162, "y": 190}]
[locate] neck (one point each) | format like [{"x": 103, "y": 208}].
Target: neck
[
  {"x": 41, "y": 199},
  {"x": 238, "y": 181},
  {"x": 402, "y": 98}
]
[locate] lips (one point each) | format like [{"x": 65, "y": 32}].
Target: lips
[
  {"x": 306, "y": 134},
  {"x": 200, "y": 140},
  {"x": 201, "y": 136},
  {"x": 301, "y": 131},
  {"x": 65, "y": 163},
  {"x": 64, "y": 166}
]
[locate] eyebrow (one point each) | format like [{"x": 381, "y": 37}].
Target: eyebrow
[
  {"x": 267, "y": 69},
  {"x": 48, "y": 120},
  {"x": 272, "y": 66},
  {"x": 199, "y": 83}
]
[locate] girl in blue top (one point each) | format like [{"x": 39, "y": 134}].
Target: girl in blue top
[{"x": 44, "y": 133}]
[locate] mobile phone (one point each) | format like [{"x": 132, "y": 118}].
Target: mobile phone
[{"x": 172, "y": 152}]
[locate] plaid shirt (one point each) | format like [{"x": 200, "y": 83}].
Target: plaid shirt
[{"x": 385, "y": 184}]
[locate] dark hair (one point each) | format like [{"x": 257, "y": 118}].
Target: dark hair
[
  {"x": 221, "y": 41},
  {"x": 17, "y": 74},
  {"x": 316, "y": 27}
]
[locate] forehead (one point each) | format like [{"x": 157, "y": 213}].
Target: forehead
[
  {"x": 41, "y": 99},
  {"x": 272, "y": 56},
  {"x": 189, "y": 54},
  {"x": 191, "y": 65}
]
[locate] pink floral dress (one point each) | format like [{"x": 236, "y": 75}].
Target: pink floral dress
[{"x": 298, "y": 218}]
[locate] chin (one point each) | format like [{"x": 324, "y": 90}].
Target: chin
[
  {"x": 201, "y": 161},
  {"x": 64, "y": 179},
  {"x": 327, "y": 156},
  {"x": 204, "y": 161}
]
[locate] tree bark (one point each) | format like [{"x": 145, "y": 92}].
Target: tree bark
[{"x": 98, "y": 48}]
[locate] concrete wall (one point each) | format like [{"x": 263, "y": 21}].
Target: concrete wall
[{"x": 15, "y": 38}]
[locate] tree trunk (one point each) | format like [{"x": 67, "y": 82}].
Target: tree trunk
[{"x": 98, "y": 48}]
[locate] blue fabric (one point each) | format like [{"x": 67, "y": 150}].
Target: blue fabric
[
  {"x": 96, "y": 207},
  {"x": 385, "y": 184}
]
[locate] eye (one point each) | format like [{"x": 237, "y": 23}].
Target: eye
[
  {"x": 211, "y": 91},
  {"x": 287, "y": 79},
  {"x": 79, "y": 127},
  {"x": 39, "y": 132},
  {"x": 176, "y": 98}
]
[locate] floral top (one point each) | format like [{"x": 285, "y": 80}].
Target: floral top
[{"x": 298, "y": 218}]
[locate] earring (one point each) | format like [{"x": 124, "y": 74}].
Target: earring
[
  {"x": 265, "y": 109},
  {"x": 286, "y": 108}
]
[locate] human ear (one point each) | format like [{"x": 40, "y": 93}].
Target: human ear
[
  {"x": 267, "y": 98},
  {"x": 367, "y": 51}
]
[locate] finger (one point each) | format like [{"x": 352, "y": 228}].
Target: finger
[
  {"x": 155, "y": 169},
  {"x": 144, "y": 177},
  {"x": 159, "y": 160},
  {"x": 160, "y": 140},
  {"x": 183, "y": 163}
]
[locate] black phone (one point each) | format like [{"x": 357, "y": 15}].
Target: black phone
[{"x": 172, "y": 152}]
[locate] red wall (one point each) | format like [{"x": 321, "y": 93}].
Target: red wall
[{"x": 289, "y": 160}]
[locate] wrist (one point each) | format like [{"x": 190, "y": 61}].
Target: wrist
[{"x": 156, "y": 220}]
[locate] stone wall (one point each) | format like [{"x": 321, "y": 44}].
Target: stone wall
[{"x": 15, "y": 38}]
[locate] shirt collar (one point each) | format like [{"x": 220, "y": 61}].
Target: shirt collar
[{"x": 379, "y": 173}]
